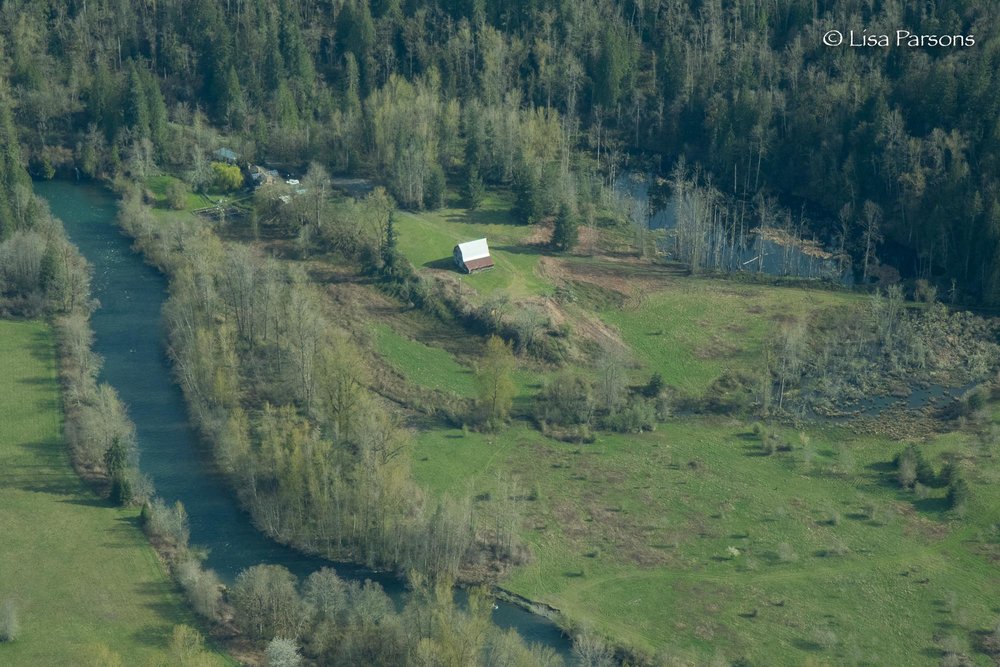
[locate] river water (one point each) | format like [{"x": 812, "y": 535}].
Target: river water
[{"x": 130, "y": 337}]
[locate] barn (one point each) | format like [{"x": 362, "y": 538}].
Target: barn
[{"x": 473, "y": 256}]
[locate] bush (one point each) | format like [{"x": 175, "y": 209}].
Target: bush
[
  {"x": 654, "y": 387},
  {"x": 786, "y": 554},
  {"x": 9, "y": 626},
  {"x": 226, "y": 177},
  {"x": 911, "y": 467},
  {"x": 202, "y": 587},
  {"x": 283, "y": 652},
  {"x": 166, "y": 524},
  {"x": 566, "y": 400},
  {"x": 636, "y": 417},
  {"x": 958, "y": 495},
  {"x": 177, "y": 195}
]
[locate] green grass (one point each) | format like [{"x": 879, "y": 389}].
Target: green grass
[
  {"x": 691, "y": 330},
  {"x": 428, "y": 238},
  {"x": 427, "y": 366},
  {"x": 630, "y": 535},
  {"x": 158, "y": 186},
  {"x": 80, "y": 571}
]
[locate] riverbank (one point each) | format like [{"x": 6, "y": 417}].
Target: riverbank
[
  {"x": 129, "y": 336},
  {"x": 79, "y": 571}
]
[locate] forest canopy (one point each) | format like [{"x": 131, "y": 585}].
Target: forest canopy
[{"x": 882, "y": 152}]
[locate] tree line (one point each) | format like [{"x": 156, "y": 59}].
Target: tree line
[
  {"x": 503, "y": 92},
  {"x": 284, "y": 395}
]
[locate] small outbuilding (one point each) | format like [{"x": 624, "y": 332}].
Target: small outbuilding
[
  {"x": 473, "y": 256},
  {"x": 226, "y": 155}
]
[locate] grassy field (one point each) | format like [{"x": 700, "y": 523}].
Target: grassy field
[
  {"x": 692, "y": 329},
  {"x": 428, "y": 238},
  {"x": 687, "y": 541},
  {"x": 422, "y": 364},
  {"x": 80, "y": 571}
]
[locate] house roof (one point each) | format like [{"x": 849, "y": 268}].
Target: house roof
[
  {"x": 471, "y": 250},
  {"x": 225, "y": 154},
  {"x": 476, "y": 264}
]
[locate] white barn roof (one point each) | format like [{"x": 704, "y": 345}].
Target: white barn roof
[{"x": 471, "y": 250}]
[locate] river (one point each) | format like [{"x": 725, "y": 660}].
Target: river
[{"x": 130, "y": 337}]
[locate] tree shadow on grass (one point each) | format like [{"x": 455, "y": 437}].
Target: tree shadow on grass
[
  {"x": 807, "y": 645},
  {"x": 485, "y": 217},
  {"x": 443, "y": 264},
  {"x": 936, "y": 506},
  {"x": 523, "y": 249},
  {"x": 47, "y": 470},
  {"x": 87, "y": 501},
  {"x": 40, "y": 346}
]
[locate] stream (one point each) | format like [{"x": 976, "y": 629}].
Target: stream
[{"x": 130, "y": 338}]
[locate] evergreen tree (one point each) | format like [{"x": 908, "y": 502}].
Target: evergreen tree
[
  {"x": 527, "y": 201},
  {"x": 566, "y": 231},
  {"x": 157, "y": 112},
  {"x": 136, "y": 108},
  {"x": 436, "y": 188},
  {"x": 390, "y": 253},
  {"x": 474, "y": 191}
]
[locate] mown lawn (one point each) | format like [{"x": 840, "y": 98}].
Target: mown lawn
[
  {"x": 428, "y": 238},
  {"x": 688, "y": 541},
  {"x": 80, "y": 571}
]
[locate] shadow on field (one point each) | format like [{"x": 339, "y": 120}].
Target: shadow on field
[
  {"x": 40, "y": 347},
  {"x": 47, "y": 471},
  {"x": 160, "y": 597},
  {"x": 932, "y": 505},
  {"x": 443, "y": 264},
  {"x": 87, "y": 501},
  {"x": 487, "y": 217},
  {"x": 522, "y": 249},
  {"x": 807, "y": 645}
]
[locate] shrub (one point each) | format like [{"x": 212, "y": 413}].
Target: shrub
[
  {"x": 202, "y": 587},
  {"x": 566, "y": 400},
  {"x": 167, "y": 524},
  {"x": 786, "y": 554},
  {"x": 226, "y": 177},
  {"x": 177, "y": 195},
  {"x": 639, "y": 415},
  {"x": 283, "y": 652},
  {"x": 654, "y": 387},
  {"x": 9, "y": 626},
  {"x": 824, "y": 638},
  {"x": 958, "y": 495},
  {"x": 911, "y": 467}
]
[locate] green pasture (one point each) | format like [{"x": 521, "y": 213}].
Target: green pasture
[
  {"x": 428, "y": 238},
  {"x": 689, "y": 542},
  {"x": 80, "y": 571},
  {"x": 690, "y": 330}
]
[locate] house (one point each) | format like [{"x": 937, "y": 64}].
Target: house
[
  {"x": 261, "y": 176},
  {"x": 473, "y": 256},
  {"x": 226, "y": 155}
]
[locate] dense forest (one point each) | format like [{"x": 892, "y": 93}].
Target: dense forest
[{"x": 888, "y": 154}]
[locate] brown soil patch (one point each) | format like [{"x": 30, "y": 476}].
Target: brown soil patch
[
  {"x": 626, "y": 276},
  {"x": 586, "y": 326},
  {"x": 541, "y": 234},
  {"x": 715, "y": 348}
]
